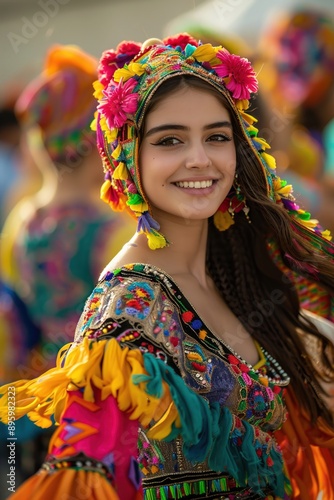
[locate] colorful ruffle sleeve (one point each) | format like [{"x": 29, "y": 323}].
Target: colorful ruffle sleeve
[{"x": 101, "y": 393}]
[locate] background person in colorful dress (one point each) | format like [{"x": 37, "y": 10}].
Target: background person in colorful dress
[
  {"x": 296, "y": 73},
  {"x": 54, "y": 243},
  {"x": 193, "y": 337}
]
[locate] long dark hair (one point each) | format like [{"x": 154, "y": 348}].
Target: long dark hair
[{"x": 239, "y": 262}]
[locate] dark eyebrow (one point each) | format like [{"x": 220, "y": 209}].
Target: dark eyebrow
[{"x": 168, "y": 126}]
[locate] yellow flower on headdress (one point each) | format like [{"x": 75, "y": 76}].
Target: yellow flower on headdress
[
  {"x": 206, "y": 53},
  {"x": 98, "y": 90},
  {"x": 110, "y": 134},
  {"x": 132, "y": 69}
]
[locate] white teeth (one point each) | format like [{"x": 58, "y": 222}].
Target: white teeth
[{"x": 195, "y": 184}]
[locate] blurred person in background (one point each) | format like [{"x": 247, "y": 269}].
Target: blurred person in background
[
  {"x": 296, "y": 72},
  {"x": 54, "y": 243},
  {"x": 9, "y": 157}
]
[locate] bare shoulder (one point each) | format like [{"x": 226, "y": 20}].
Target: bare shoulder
[{"x": 132, "y": 252}]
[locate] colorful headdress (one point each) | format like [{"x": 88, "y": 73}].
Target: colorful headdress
[
  {"x": 61, "y": 103},
  {"x": 128, "y": 78}
]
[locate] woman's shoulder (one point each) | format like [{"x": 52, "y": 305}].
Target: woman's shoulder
[{"x": 129, "y": 293}]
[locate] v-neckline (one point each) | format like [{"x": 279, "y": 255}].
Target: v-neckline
[{"x": 162, "y": 276}]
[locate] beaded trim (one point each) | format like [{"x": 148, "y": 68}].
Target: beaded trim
[
  {"x": 204, "y": 488},
  {"x": 78, "y": 462}
]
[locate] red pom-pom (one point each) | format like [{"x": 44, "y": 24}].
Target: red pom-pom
[
  {"x": 181, "y": 40},
  {"x": 107, "y": 66},
  {"x": 187, "y": 316},
  {"x": 128, "y": 47}
]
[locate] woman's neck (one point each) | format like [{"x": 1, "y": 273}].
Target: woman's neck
[{"x": 185, "y": 254}]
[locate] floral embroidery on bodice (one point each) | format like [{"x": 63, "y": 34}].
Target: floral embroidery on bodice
[{"x": 143, "y": 308}]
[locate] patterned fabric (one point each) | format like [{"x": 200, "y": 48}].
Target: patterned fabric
[
  {"x": 58, "y": 256},
  {"x": 138, "y": 326}
]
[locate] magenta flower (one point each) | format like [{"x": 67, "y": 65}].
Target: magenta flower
[
  {"x": 239, "y": 74},
  {"x": 119, "y": 101}
]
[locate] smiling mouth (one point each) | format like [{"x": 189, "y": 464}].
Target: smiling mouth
[{"x": 195, "y": 184}]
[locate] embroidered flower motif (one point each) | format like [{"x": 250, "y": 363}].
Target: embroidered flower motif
[
  {"x": 239, "y": 74},
  {"x": 118, "y": 102}
]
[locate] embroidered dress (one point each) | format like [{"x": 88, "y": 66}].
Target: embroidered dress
[{"x": 143, "y": 361}]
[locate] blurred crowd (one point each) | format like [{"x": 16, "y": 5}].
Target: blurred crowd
[{"x": 57, "y": 236}]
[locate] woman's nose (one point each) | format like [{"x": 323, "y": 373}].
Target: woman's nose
[{"x": 197, "y": 157}]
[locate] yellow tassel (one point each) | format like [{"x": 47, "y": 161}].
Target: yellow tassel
[
  {"x": 120, "y": 172},
  {"x": 223, "y": 220},
  {"x": 98, "y": 90},
  {"x": 156, "y": 240},
  {"x": 139, "y": 208},
  {"x": 104, "y": 190},
  {"x": 117, "y": 152},
  {"x": 249, "y": 118},
  {"x": 270, "y": 160},
  {"x": 327, "y": 235}
]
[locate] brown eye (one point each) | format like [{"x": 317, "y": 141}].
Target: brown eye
[{"x": 167, "y": 141}]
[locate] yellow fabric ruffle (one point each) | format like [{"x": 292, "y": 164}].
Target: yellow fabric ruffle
[{"x": 103, "y": 365}]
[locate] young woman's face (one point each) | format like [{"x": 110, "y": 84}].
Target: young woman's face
[{"x": 187, "y": 156}]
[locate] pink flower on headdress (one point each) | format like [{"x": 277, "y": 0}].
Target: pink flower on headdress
[
  {"x": 239, "y": 74},
  {"x": 119, "y": 101}
]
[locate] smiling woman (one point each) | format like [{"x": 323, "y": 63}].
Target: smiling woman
[
  {"x": 187, "y": 152},
  {"x": 194, "y": 343}
]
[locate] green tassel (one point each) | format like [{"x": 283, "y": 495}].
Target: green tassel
[
  {"x": 202, "y": 487},
  {"x": 172, "y": 490},
  {"x": 187, "y": 488},
  {"x": 163, "y": 495},
  {"x": 134, "y": 199}
]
